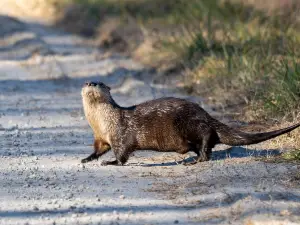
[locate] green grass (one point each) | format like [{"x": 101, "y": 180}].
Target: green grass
[
  {"x": 232, "y": 51},
  {"x": 254, "y": 57},
  {"x": 292, "y": 155},
  {"x": 283, "y": 94}
]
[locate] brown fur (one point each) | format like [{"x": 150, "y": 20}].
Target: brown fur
[{"x": 166, "y": 124}]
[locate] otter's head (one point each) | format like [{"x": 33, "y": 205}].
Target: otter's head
[{"x": 96, "y": 92}]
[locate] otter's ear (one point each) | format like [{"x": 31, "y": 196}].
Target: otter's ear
[
  {"x": 107, "y": 87},
  {"x": 104, "y": 85}
]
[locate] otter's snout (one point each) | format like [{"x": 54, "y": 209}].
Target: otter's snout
[{"x": 90, "y": 83}]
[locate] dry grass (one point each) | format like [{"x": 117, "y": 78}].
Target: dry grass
[{"x": 231, "y": 51}]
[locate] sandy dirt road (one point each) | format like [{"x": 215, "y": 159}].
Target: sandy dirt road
[{"x": 43, "y": 136}]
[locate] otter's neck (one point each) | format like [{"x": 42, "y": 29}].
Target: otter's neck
[
  {"x": 102, "y": 110},
  {"x": 112, "y": 102},
  {"x": 103, "y": 117}
]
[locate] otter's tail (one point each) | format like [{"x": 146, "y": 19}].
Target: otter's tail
[{"x": 234, "y": 137}]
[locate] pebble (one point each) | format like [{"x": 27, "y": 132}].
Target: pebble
[
  {"x": 79, "y": 210},
  {"x": 81, "y": 166},
  {"x": 121, "y": 196},
  {"x": 69, "y": 196},
  {"x": 294, "y": 167}
]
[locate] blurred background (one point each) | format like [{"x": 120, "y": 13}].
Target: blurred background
[{"x": 241, "y": 56}]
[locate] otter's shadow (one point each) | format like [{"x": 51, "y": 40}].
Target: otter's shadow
[{"x": 232, "y": 152}]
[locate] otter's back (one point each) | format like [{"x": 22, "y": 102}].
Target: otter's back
[{"x": 159, "y": 123}]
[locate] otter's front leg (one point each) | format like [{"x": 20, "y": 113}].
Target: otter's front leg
[
  {"x": 91, "y": 157},
  {"x": 100, "y": 148}
]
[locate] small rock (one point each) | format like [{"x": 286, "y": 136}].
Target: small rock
[
  {"x": 121, "y": 196},
  {"x": 285, "y": 213},
  {"x": 82, "y": 166},
  {"x": 72, "y": 207},
  {"x": 26, "y": 185},
  {"x": 69, "y": 196},
  {"x": 176, "y": 221},
  {"x": 52, "y": 183},
  {"x": 81, "y": 210},
  {"x": 35, "y": 208}
]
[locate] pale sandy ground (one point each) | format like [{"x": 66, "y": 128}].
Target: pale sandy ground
[{"x": 43, "y": 136}]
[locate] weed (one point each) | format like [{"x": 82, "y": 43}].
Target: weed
[
  {"x": 230, "y": 50},
  {"x": 292, "y": 155}
]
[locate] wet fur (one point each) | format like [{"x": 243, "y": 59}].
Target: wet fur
[{"x": 166, "y": 125}]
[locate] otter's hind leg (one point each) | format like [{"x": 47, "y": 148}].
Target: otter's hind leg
[
  {"x": 122, "y": 155},
  {"x": 203, "y": 154},
  {"x": 100, "y": 148},
  {"x": 205, "y": 144},
  {"x": 205, "y": 150}
]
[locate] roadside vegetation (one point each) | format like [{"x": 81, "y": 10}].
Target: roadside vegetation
[{"x": 242, "y": 55}]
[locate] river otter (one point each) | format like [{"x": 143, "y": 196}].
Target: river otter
[{"x": 165, "y": 124}]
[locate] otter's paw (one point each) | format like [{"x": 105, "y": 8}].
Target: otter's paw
[
  {"x": 85, "y": 160},
  {"x": 188, "y": 163},
  {"x": 106, "y": 163}
]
